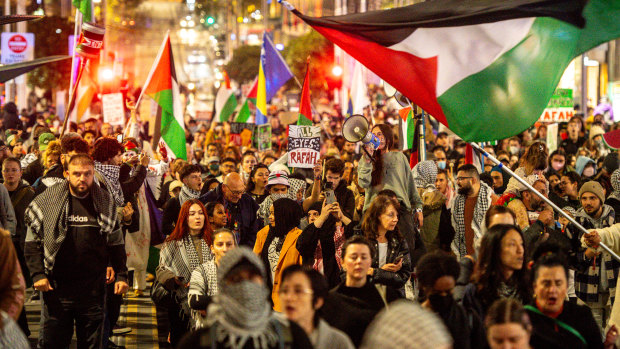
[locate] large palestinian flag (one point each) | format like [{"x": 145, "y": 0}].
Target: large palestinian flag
[
  {"x": 484, "y": 68},
  {"x": 161, "y": 85}
]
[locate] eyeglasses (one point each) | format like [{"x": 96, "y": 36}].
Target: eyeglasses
[
  {"x": 234, "y": 192},
  {"x": 297, "y": 292},
  {"x": 458, "y": 179}
]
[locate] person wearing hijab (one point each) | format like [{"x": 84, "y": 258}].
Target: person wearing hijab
[
  {"x": 500, "y": 179},
  {"x": 276, "y": 243},
  {"x": 240, "y": 316},
  {"x": 436, "y": 214}
]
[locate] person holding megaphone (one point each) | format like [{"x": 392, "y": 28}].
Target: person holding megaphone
[{"x": 382, "y": 168}]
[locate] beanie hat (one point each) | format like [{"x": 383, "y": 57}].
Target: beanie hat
[
  {"x": 278, "y": 177},
  {"x": 594, "y": 188},
  {"x": 596, "y": 130}
]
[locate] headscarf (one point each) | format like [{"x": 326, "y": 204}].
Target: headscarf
[
  {"x": 242, "y": 310},
  {"x": 425, "y": 174},
  {"x": 294, "y": 186},
  {"x": 287, "y": 213},
  {"x": 505, "y": 176},
  {"x": 581, "y": 163}
]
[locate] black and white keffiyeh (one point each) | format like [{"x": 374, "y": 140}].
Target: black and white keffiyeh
[
  {"x": 110, "y": 174},
  {"x": 181, "y": 258},
  {"x": 458, "y": 218},
  {"x": 49, "y": 222},
  {"x": 187, "y": 194},
  {"x": 424, "y": 174},
  {"x": 241, "y": 311},
  {"x": 615, "y": 184}
]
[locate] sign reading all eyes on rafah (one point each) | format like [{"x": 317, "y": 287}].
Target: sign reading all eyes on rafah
[{"x": 304, "y": 145}]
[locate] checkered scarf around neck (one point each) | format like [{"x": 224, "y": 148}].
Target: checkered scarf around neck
[
  {"x": 187, "y": 194},
  {"x": 110, "y": 175},
  {"x": 241, "y": 310},
  {"x": 615, "y": 184},
  {"x": 49, "y": 222},
  {"x": 424, "y": 174},
  {"x": 458, "y": 215},
  {"x": 182, "y": 258}
]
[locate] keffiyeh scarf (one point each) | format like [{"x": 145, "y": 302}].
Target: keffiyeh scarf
[
  {"x": 615, "y": 183},
  {"x": 338, "y": 242},
  {"x": 425, "y": 174},
  {"x": 110, "y": 175},
  {"x": 241, "y": 311},
  {"x": 295, "y": 186},
  {"x": 49, "y": 222},
  {"x": 458, "y": 218},
  {"x": 187, "y": 194}
]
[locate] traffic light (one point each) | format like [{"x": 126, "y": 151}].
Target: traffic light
[{"x": 210, "y": 20}]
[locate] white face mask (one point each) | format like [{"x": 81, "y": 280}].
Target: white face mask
[
  {"x": 514, "y": 150},
  {"x": 588, "y": 172}
]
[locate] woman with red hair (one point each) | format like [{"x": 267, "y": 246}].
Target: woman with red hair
[{"x": 184, "y": 250}]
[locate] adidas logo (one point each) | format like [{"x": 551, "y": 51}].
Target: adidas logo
[{"x": 77, "y": 219}]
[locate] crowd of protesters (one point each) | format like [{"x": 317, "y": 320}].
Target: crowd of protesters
[{"x": 360, "y": 251}]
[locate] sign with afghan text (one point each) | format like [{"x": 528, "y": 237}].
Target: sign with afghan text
[{"x": 304, "y": 145}]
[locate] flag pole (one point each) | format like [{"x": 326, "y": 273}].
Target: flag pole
[
  {"x": 545, "y": 199},
  {"x": 76, "y": 31},
  {"x": 73, "y": 95}
]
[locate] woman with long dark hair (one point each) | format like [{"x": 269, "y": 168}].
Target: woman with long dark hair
[
  {"x": 276, "y": 243},
  {"x": 389, "y": 169},
  {"x": 257, "y": 183},
  {"x": 500, "y": 271},
  {"x": 183, "y": 251},
  {"x": 391, "y": 264}
]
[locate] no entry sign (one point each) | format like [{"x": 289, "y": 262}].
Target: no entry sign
[{"x": 17, "y": 47}]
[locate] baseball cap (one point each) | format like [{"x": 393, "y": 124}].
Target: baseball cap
[{"x": 44, "y": 140}]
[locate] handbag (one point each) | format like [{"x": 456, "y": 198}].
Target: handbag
[{"x": 160, "y": 296}]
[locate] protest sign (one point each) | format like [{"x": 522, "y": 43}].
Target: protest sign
[
  {"x": 113, "y": 110},
  {"x": 304, "y": 145},
  {"x": 552, "y": 137},
  {"x": 241, "y": 133},
  {"x": 560, "y": 106},
  {"x": 262, "y": 137}
]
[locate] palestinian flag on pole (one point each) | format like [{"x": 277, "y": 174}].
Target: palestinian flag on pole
[
  {"x": 407, "y": 127},
  {"x": 244, "y": 114},
  {"x": 484, "y": 68},
  {"x": 162, "y": 86},
  {"x": 305, "y": 106},
  {"x": 225, "y": 101}
]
